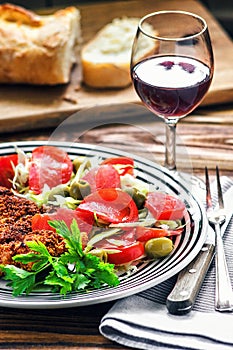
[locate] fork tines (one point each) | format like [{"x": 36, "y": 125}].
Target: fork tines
[
  {"x": 220, "y": 195},
  {"x": 208, "y": 194},
  {"x": 219, "y": 189}
]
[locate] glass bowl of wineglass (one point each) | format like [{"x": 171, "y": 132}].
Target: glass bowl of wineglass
[{"x": 172, "y": 68}]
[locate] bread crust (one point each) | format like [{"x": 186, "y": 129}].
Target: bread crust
[
  {"x": 12, "y": 13},
  {"x": 106, "y": 75},
  {"x": 36, "y": 49}
]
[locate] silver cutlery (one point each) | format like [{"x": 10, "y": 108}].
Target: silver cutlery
[
  {"x": 217, "y": 217},
  {"x": 183, "y": 295}
]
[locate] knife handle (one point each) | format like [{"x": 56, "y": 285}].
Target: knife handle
[{"x": 181, "y": 299}]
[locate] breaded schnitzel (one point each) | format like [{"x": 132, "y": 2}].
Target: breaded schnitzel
[{"x": 15, "y": 229}]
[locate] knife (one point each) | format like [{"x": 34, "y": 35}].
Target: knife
[{"x": 182, "y": 297}]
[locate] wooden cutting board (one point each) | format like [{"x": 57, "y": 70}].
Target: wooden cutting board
[{"x": 28, "y": 107}]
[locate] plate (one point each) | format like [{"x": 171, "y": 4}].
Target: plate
[{"x": 186, "y": 246}]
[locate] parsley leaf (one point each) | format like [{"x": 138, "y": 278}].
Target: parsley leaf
[
  {"x": 72, "y": 237},
  {"x": 21, "y": 281},
  {"x": 72, "y": 271}
]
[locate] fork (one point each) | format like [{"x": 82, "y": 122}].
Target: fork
[{"x": 216, "y": 218}]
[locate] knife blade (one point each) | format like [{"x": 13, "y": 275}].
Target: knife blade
[{"x": 182, "y": 297}]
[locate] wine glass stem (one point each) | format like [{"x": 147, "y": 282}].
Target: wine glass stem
[{"x": 170, "y": 150}]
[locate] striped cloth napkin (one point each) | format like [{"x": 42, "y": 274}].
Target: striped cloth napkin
[{"x": 143, "y": 322}]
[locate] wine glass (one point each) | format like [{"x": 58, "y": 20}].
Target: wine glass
[{"x": 172, "y": 68}]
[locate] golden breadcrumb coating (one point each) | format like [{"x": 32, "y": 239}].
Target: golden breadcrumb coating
[{"x": 16, "y": 229}]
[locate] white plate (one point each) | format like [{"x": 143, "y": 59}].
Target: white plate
[{"x": 148, "y": 275}]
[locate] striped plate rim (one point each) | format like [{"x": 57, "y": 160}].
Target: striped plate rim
[{"x": 148, "y": 275}]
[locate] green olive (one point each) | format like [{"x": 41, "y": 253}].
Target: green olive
[
  {"x": 158, "y": 247},
  {"x": 58, "y": 191},
  {"x": 79, "y": 190},
  {"x": 172, "y": 224},
  {"x": 100, "y": 253},
  {"x": 138, "y": 197},
  {"x": 80, "y": 160}
]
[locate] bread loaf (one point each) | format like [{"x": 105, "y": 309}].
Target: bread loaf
[
  {"x": 106, "y": 58},
  {"x": 38, "y": 49}
]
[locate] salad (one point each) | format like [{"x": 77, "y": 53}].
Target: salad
[{"x": 109, "y": 219}]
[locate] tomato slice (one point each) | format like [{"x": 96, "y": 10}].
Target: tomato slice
[
  {"x": 105, "y": 176},
  {"x": 84, "y": 220},
  {"x": 50, "y": 165},
  {"x": 6, "y": 169},
  {"x": 143, "y": 234},
  {"x": 164, "y": 206},
  {"x": 110, "y": 205},
  {"x": 124, "y": 165},
  {"x": 127, "y": 254}
]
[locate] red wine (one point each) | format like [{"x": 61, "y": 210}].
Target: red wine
[{"x": 171, "y": 86}]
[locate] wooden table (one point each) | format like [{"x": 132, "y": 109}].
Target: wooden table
[{"x": 207, "y": 139}]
